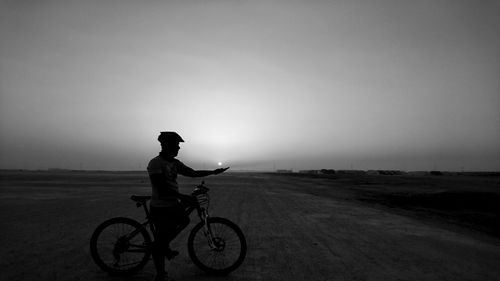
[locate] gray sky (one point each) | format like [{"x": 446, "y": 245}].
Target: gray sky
[{"x": 375, "y": 84}]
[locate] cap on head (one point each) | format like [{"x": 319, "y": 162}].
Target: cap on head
[{"x": 165, "y": 137}]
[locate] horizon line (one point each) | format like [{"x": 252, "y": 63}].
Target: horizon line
[{"x": 278, "y": 171}]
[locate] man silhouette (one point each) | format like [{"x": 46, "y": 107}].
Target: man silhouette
[{"x": 167, "y": 204}]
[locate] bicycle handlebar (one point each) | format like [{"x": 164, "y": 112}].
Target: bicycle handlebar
[{"x": 200, "y": 189}]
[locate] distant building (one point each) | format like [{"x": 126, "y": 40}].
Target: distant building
[
  {"x": 418, "y": 173},
  {"x": 327, "y": 171},
  {"x": 390, "y": 172},
  {"x": 351, "y": 172},
  {"x": 309, "y": 171}
]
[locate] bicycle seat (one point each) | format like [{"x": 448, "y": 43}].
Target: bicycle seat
[{"x": 140, "y": 199}]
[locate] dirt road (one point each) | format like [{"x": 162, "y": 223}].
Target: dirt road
[{"x": 291, "y": 235}]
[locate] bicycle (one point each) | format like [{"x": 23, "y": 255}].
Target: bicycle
[{"x": 123, "y": 246}]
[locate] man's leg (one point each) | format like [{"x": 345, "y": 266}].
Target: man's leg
[
  {"x": 169, "y": 222},
  {"x": 158, "y": 259},
  {"x": 179, "y": 220},
  {"x": 158, "y": 216}
]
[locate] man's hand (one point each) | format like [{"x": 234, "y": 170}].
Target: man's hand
[{"x": 220, "y": 171}]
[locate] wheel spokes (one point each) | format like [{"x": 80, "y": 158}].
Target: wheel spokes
[
  {"x": 127, "y": 250},
  {"x": 227, "y": 247}
]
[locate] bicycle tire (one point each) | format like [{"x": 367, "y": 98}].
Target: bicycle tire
[
  {"x": 232, "y": 250},
  {"x": 108, "y": 252}
]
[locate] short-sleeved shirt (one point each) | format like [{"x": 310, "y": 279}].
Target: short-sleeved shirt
[{"x": 170, "y": 169}]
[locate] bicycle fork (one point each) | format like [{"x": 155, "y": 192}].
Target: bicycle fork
[{"x": 207, "y": 231}]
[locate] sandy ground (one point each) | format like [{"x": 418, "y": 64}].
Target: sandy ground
[{"x": 292, "y": 232}]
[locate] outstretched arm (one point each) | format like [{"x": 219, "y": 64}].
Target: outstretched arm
[{"x": 188, "y": 172}]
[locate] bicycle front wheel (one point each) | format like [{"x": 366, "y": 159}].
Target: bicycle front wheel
[
  {"x": 120, "y": 246},
  {"x": 218, "y": 248}
]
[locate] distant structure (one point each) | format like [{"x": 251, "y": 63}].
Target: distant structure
[
  {"x": 309, "y": 172},
  {"x": 351, "y": 172},
  {"x": 318, "y": 172},
  {"x": 327, "y": 171},
  {"x": 390, "y": 172},
  {"x": 418, "y": 173}
]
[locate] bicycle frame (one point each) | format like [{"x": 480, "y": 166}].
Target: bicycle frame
[{"x": 203, "y": 214}]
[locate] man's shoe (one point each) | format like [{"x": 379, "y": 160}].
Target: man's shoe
[{"x": 170, "y": 254}]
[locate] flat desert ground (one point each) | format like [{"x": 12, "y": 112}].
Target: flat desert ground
[{"x": 298, "y": 227}]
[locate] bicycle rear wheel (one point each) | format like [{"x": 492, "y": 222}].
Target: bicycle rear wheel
[
  {"x": 120, "y": 246},
  {"x": 228, "y": 249}
]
